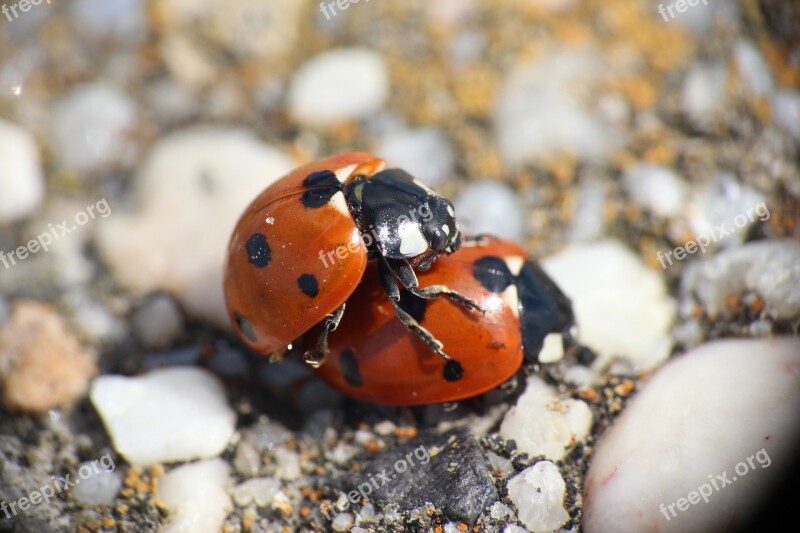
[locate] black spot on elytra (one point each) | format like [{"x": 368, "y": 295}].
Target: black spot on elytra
[
  {"x": 492, "y": 272},
  {"x": 323, "y": 185},
  {"x": 453, "y": 370},
  {"x": 349, "y": 364},
  {"x": 258, "y": 251},
  {"x": 308, "y": 284},
  {"x": 245, "y": 327},
  {"x": 413, "y": 305}
]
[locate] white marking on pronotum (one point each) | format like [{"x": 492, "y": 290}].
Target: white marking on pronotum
[
  {"x": 446, "y": 229},
  {"x": 450, "y": 210},
  {"x": 412, "y": 241}
]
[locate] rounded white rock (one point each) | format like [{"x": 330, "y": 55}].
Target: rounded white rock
[
  {"x": 197, "y": 497},
  {"x": 656, "y": 188},
  {"x": 88, "y": 127},
  {"x": 538, "y": 493},
  {"x": 21, "y": 179},
  {"x": 727, "y": 408},
  {"x": 543, "y": 424},
  {"x": 425, "y": 153},
  {"x": 339, "y": 85},
  {"x": 490, "y": 207},
  {"x": 622, "y": 308},
  {"x": 170, "y": 414}
]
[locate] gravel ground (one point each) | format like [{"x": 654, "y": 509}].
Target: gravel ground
[{"x": 646, "y": 154}]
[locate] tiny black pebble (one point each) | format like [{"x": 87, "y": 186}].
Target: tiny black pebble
[
  {"x": 308, "y": 284},
  {"x": 245, "y": 327},
  {"x": 258, "y": 251},
  {"x": 452, "y": 370},
  {"x": 349, "y": 364}
]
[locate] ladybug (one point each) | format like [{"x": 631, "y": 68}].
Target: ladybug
[
  {"x": 302, "y": 246},
  {"x": 372, "y": 357}
]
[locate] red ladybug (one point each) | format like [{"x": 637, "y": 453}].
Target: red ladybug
[
  {"x": 301, "y": 248},
  {"x": 374, "y": 358}
]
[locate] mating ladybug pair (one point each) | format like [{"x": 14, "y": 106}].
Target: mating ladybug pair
[{"x": 344, "y": 247}]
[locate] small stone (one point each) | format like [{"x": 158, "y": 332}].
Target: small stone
[
  {"x": 338, "y": 85},
  {"x": 385, "y": 428},
  {"x": 247, "y": 460},
  {"x": 786, "y": 111},
  {"x": 656, "y": 188},
  {"x": 21, "y": 179},
  {"x": 167, "y": 415},
  {"x": 100, "y": 488},
  {"x": 288, "y": 464},
  {"x": 490, "y": 207},
  {"x": 722, "y": 210},
  {"x": 726, "y": 408},
  {"x": 587, "y": 218},
  {"x": 200, "y": 180},
  {"x": 258, "y": 490},
  {"x": 621, "y": 306},
  {"x": 514, "y": 528},
  {"x": 753, "y": 68},
  {"x": 703, "y": 92},
  {"x": 42, "y": 364},
  {"x": 197, "y": 497},
  {"x": 425, "y": 153},
  {"x": 342, "y": 522},
  {"x": 500, "y": 510},
  {"x": 158, "y": 322},
  {"x": 545, "y": 108},
  {"x": 767, "y": 268},
  {"x": 538, "y": 493},
  {"x": 89, "y": 125},
  {"x": 123, "y": 20},
  {"x": 542, "y": 424}
]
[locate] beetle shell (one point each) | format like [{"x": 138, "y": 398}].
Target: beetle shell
[
  {"x": 276, "y": 285},
  {"x": 373, "y": 357}
]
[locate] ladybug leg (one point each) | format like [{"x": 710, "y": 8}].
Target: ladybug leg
[
  {"x": 405, "y": 273},
  {"x": 392, "y": 288},
  {"x": 316, "y": 357}
]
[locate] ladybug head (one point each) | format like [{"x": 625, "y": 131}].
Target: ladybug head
[{"x": 407, "y": 219}]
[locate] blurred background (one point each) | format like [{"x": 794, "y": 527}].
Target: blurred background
[{"x": 604, "y": 136}]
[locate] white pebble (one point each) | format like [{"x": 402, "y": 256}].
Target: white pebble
[
  {"x": 704, "y": 414},
  {"x": 288, "y": 464},
  {"x": 725, "y": 202},
  {"x": 514, "y": 528},
  {"x": 21, "y": 179},
  {"x": 543, "y": 424},
  {"x": 490, "y": 207},
  {"x": 545, "y": 108},
  {"x": 587, "y": 217},
  {"x": 499, "y": 510},
  {"x": 197, "y": 182},
  {"x": 753, "y": 68},
  {"x": 656, "y": 188},
  {"x": 425, "y": 153},
  {"x": 703, "y": 92},
  {"x": 622, "y": 308},
  {"x": 89, "y": 125},
  {"x": 339, "y": 85},
  {"x": 342, "y": 522},
  {"x": 158, "y": 322},
  {"x": 538, "y": 493},
  {"x": 259, "y": 491},
  {"x": 770, "y": 269},
  {"x": 171, "y": 414},
  {"x": 99, "y": 488},
  {"x": 786, "y": 110},
  {"x": 197, "y": 497}
]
